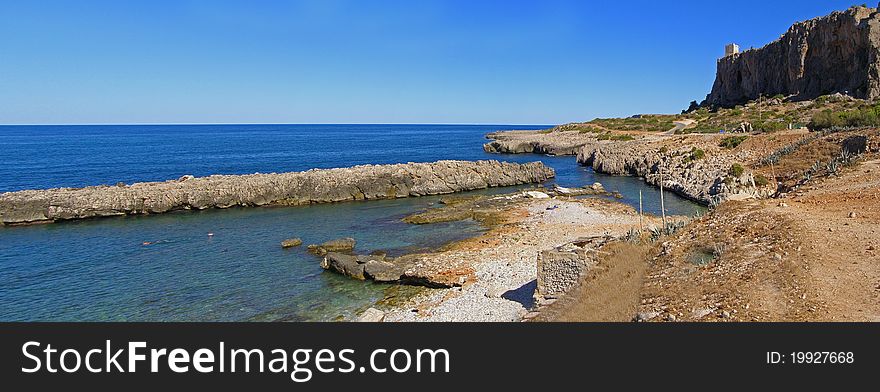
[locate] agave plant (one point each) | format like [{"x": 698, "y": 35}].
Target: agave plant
[
  {"x": 656, "y": 233},
  {"x": 718, "y": 249},
  {"x": 832, "y": 166},
  {"x": 633, "y": 236}
]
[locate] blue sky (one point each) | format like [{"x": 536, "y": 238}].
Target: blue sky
[{"x": 326, "y": 61}]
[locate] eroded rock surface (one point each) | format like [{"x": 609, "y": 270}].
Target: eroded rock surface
[
  {"x": 223, "y": 191},
  {"x": 837, "y": 53},
  {"x": 536, "y": 142}
]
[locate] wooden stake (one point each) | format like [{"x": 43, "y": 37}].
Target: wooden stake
[
  {"x": 641, "y": 226},
  {"x": 662, "y": 204}
]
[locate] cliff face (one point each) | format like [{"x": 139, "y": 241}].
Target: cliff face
[
  {"x": 835, "y": 53},
  {"x": 313, "y": 186}
]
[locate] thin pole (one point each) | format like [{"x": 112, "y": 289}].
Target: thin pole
[
  {"x": 662, "y": 203},
  {"x": 641, "y": 226}
]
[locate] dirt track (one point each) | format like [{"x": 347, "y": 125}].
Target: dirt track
[{"x": 807, "y": 257}]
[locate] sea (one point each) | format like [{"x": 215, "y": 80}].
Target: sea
[{"x": 100, "y": 269}]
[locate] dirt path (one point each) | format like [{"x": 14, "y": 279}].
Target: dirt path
[
  {"x": 810, "y": 256},
  {"x": 841, "y": 218},
  {"x": 610, "y": 292}
]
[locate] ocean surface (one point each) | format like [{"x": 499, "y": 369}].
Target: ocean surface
[{"x": 99, "y": 270}]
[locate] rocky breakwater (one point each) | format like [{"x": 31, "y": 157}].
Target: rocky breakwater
[
  {"x": 537, "y": 142},
  {"x": 692, "y": 166},
  {"x": 297, "y": 188}
]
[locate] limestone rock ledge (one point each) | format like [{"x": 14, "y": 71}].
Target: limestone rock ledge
[
  {"x": 364, "y": 182},
  {"x": 537, "y": 142},
  {"x": 702, "y": 180}
]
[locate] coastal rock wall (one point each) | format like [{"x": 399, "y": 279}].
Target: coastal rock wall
[
  {"x": 700, "y": 178},
  {"x": 535, "y": 142},
  {"x": 222, "y": 191},
  {"x": 837, "y": 53}
]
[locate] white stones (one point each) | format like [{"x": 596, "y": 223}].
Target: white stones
[
  {"x": 700, "y": 313},
  {"x": 537, "y": 195}
]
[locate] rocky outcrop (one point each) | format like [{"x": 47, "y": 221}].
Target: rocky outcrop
[
  {"x": 701, "y": 176},
  {"x": 222, "y": 191},
  {"x": 536, "y": 142},
  {"x": 838, "y": 53},
  {"x": 415, "y": 269}
]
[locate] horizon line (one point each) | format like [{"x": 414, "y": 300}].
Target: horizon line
[{"x": 268, "y": 123}]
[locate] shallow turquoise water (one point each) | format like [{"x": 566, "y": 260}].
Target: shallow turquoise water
[{"x": 98, "y": 270}]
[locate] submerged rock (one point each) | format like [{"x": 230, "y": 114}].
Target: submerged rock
[
  {"x": 344, "y": 245},
  {"x": 290, "y": 243},
  {"x": 344, "y": 264}
]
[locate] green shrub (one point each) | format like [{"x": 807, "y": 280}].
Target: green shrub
[
  {"x": 697, "y": 154},
  {"x": 760, "y": 180},
  {"x": 731, "y": 142},
  {"x": 769, "y": 126},
  {"x": 610, "y": 136},
  {"x": 736, "y": 170},
  {"x": 866, "y": 116}
]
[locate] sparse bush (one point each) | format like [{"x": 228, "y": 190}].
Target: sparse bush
[
  {"x": 697, "y": 154},
  {"x": 736, "y": 170},
  {"x": 672, "y": 226},
  {"x": 760, "y": 180},
  {"x": 769, "y": 126},
  {"x": 774, "y": 157},
  {"x": 613, "y": 137},
  {"x": 732, "y": 142}
]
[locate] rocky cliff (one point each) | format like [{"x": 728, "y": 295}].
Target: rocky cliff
[
  {"x": 222, "y": 191},
  {"x": 837, "y": 53}
]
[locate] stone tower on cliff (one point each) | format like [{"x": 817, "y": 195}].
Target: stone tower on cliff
[{"x": 837, "y": 53}]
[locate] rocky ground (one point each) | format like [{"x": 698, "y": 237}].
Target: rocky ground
[
  {"x": 697, "y": 166},
  {"x": 503, "y": 260},
  {"x": 807, "y": 254},
  {"x": 810, "y": 256}
]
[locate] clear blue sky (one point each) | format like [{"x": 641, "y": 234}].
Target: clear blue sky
[{"x": 325, "y": 61}]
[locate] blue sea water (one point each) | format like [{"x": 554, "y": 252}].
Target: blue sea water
[{"x": 98, "y": 270}]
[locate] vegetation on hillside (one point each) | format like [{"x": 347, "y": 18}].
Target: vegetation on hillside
[
  {"x": 732, "y": 142},
  {"x": 643, "y": 123},
  {"x": 862, "y": 116},
  {"x": 763, "y": 115}
]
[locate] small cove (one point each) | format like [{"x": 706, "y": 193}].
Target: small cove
[{"x": 98, "y": 270}]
